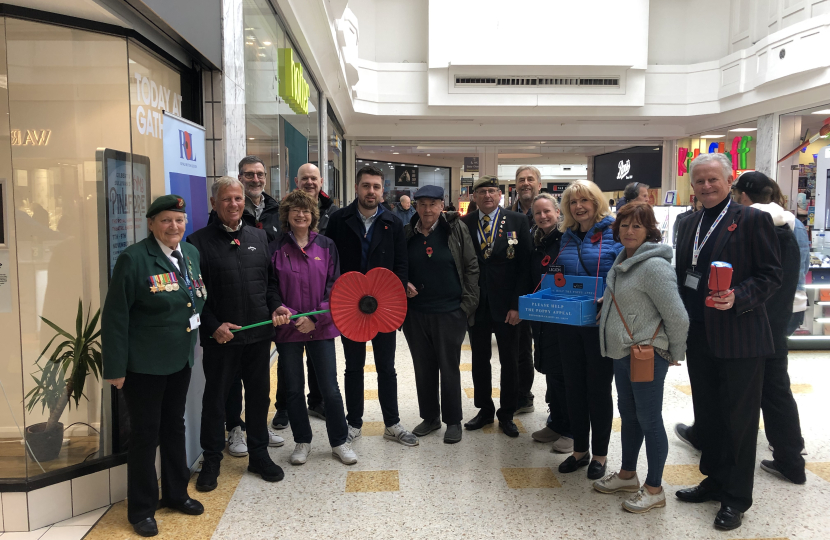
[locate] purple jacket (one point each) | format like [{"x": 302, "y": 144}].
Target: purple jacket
[{"x": 306, "y": 277}]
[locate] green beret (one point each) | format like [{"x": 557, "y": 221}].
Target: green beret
[
  {"x": 486, "y": 181},
  {"x": 166, "y": 202}
]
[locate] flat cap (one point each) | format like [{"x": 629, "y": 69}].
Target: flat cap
[
  {"x": 752, "y": 182},
  {"x": 166, "y": 202},
  {"x": 429, "y": 192},
  {"x": 486, "y": 181}
]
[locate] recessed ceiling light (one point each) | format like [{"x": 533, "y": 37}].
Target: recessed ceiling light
[
  {"x": 825, "y": 111},
  {"x": 389, "y": 164},
  {"x": 396, "y": 152},
  {"x": 251, "y": 139},
  {"x": 393, "y": 146},
  {"x": 658, "y": 148},
  {"x": 374, "y": 162},
  {"x": 262, "y": 55},
  {"x": 743, "y": 130},
  {"x": 427, "y": 155},
  {"x": 360, "y": 161},
  {"x": 415, "y": 166},
  {"x": 710, "y": 136},
  {"x": 266, "y": 42}
]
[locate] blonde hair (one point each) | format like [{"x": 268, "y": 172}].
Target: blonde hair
[
  {"x": 582, "y": 188},
  {"x": 547, "y": 197}
]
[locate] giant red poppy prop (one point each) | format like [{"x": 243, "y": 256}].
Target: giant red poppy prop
[{"x": 363, "y": 305}]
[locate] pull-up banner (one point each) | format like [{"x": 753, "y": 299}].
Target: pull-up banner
[{"x": 184, "y": 168}]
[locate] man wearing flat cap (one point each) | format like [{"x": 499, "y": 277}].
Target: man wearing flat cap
[
  {"x": 503, "y": 246},
  {"x": 442, "y": 295}
]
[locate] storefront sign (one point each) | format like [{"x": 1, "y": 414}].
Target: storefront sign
[
  {"x": 467, "y": 181},
  {"x": 30, "y": 137},
  {"x": 184, "y": 168},
  {"x": 406, "y": 176},
  {"x": 740, "y": 148},
  {"x": 154, "y": 96},
  {"x": 613, "y": 171},
  {"x": 471, "y": 164},
  {"x": 293, "y": 88}
]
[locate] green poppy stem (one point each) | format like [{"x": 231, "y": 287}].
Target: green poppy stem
[{"x": 269, "y": 321}]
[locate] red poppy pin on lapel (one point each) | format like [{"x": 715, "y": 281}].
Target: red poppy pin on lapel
[
  {"x": 596, "y": 237},
  {"x": 429, "y": 252},
  {"x": 546, "y": 260},
  {"x": 732, "y": 227}
]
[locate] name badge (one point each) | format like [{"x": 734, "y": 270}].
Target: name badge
[
  {"x": 195, "y": 321},
  {"x": 692, "y": 280}
]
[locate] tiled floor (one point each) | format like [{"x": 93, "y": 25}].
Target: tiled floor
[
  {"x": 492, "y": 486},
  {"x": 72, "y": 529}
]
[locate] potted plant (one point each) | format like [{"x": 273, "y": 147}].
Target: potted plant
[{"x": 62, "y": 378}]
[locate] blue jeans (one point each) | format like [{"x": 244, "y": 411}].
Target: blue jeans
[
  {"x": 323, "y": 357},
  {"x": 641, "y": 412}
]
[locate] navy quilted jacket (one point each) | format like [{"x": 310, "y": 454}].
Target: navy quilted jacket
[{"x": 580, "y": 258}]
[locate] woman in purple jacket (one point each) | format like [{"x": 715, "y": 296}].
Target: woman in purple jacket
[{"x": 307, "y": 264}]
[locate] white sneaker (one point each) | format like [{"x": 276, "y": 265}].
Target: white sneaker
[
  {"x": 643, "y": 501},
  {"x": 237, "y": 447},
  {"x": 354, "y": 433},
  {"x": 300, "y": 454},
  {"x": 401, "y": 435},
  {"x": 562, "y": 445},
  {"x": 274, "y": 440},
  {"x": 612, "y": 483},
  {"x": 344, "y": 453}
]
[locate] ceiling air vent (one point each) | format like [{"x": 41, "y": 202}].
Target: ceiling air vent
[{"x": 484, "y": 82}]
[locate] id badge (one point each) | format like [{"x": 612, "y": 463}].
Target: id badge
[
  {"x": 692, "y": 279},
  {"x": 195, "y": 321}
]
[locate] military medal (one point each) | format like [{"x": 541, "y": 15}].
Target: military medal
[
  {"x": 153, "y": 288},
  {"x": 175, "y": 281},
  {"x": 512, "y": 240},
  {"x": 202, "y": 285},
  {"x": 168, "y": 286}
]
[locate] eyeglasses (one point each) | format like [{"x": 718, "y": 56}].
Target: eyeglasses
[
  {"x": 301, "y": 211},
  {"x": 488, "y": 191},
  {"x": 251, "y": 175}
]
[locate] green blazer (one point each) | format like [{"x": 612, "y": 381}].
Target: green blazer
[{"x": 142, "y": 331}]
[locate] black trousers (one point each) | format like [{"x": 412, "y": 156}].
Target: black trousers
[
  {"x": 222, "y": 364},
  {"x": 726, "y": 394},
  {"x": 557, "y": 400},
  {"x": 435, "y": 343},
  {"x": 588, "y": 378},
  {"x": 525, "y": 363},
  {"x": 781, "y": 422},
  {"x": 507, "y": 340},
  {"x": 315, "y": 396},
  {"x": 383, "y": 348},
  {"x": 233, "y": 406},
  {"x": 155, "y": 404}
]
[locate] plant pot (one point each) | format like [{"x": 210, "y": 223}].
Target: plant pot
[{"x": 44, "y": 445}]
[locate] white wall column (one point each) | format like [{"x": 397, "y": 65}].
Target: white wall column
[
  {"x": 766, "y": 145},
  {"x": 789, "y": 136},
  {"x": 233, "y": 88},
  {"x": 488, "y": 161}
]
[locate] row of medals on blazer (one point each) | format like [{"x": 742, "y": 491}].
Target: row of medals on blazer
[
  {"x": 169, "y": 282},
  {"x": 512, "y": 240}
]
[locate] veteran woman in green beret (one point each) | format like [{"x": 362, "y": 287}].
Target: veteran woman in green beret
[{"x": 148, "y": 332}]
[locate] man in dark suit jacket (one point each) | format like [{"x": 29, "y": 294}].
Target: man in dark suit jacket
[
  {"x": 727, "y": 343},
  {"x": 503, "y": 246},
  {"x": 368, "y": 236}
]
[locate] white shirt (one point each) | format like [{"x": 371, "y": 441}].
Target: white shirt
[
  {"x": 169, "y": 253},
  {"x": 367, "y": 221},
  {"x": 492, "y": 223}
]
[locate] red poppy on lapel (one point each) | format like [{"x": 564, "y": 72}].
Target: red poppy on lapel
[
  {"x": 596, "y": 237},
  {"x": 732, "y": 227},
  {"x": 546, "y": 260}
]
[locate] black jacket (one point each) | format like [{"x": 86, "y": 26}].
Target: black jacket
[
  {"x": 388, "y": 247},
  {"x": 503, "y": 280},
  {"x": 327, "y": 208},
  {"x": 780, "y": 304},
  {"x": 242, "y": 287},
  {"x": 269, "y": 220},
  {"x": 545, "y": 335}
]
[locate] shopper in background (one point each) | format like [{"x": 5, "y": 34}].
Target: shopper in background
[
  {"x": 641, "y": 297},
  {"x": 547, "y": 358},
  {"x": 635, "y": 191},
  {"x": 306, "y": 265},
  {"x": 368, "y": 236},
  {"x": 781, "y": 421},
  {"x": 503, "y": 249},
  {"x": 442, "y": 298},
  {"x": 528, "y": 183},
  {"x": 588, "y": 249},
  {"x": 404, "y": 209},
  {"x": 727, "y": 343}
]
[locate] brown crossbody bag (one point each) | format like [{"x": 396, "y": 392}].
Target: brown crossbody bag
[{"x": 642, "y": 356}]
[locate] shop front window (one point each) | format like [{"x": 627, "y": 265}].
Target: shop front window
[
  {"x": 401, "y": 179},
  {"x": 337, "y": 160}
]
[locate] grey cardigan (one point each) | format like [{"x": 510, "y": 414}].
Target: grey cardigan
[{"x": 646, "y": 290}]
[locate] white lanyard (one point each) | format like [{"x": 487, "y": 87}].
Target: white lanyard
[{"x": 696, "y": 250}]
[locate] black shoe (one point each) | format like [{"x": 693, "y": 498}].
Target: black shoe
[
  {"x": 453, "y": 434},
  {"x": 478, "y": 422},
  {"x": 595, "y": 470},
  {"x": 571, "y": 464},
  {"x": 426, "y": 427},
  {"x": 207, "y": 480},
  {"x": 728, "y": 518},
  {"x": 317, "y": 411},
  {"x": 775, "y": 469},
  {"x": 280, "y": 420},
  {"x": 266, "y": 468},
  {"x": 146, "y": 527},
  {"x": 190, "y": 507},
  {"x": 697, "y": 494},
  {"x": 509, "y": 428},
  {"x": 685, "y": 434}
]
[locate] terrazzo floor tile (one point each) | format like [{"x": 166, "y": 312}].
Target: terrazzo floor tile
[
  {"x": 372, "y": 429},
  {"x": 471, "y": 392},
  {"x": 494, "y": 427},
  {"x": 685, "y": 388},
  {"x": 819, "y": 469},
  {"x": 372, "y": 481},
  {"x": 369, "y": 368},
  {"x": 465, "y": 366},
  {"x": 616, "y": 425},
  {"x": 370, "y": 394},
  {"x": 801, "y": 388},
  {"x": 682, "y": 475},
  {"x": 526, "y": 478}
]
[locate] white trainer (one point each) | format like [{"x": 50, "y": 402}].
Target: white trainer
[
  {"x": 612, "y": 483},
  {"x": 274, "y": 440},
  {"x": 354, "y": 433},
  {"x": 398, "y": 433},
  {"x": 237, "y": 447},
  {"x": 344, "y": 453},
  {"x": 300, "y": 454},
  {"x": 643, "y": 501},
  {"x": 562, "y": 445}
]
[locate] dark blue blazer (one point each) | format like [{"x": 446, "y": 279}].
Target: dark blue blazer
[{"x": 752, "y": 250}]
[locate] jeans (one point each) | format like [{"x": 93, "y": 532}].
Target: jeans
[
  {"x": 323, "y": 357},
  {"x": 641, "y": 412},
  {"x": 355, "y": 353}
]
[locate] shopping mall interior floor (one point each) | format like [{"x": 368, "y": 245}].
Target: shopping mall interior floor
[{"x": 489, "y": 485}]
